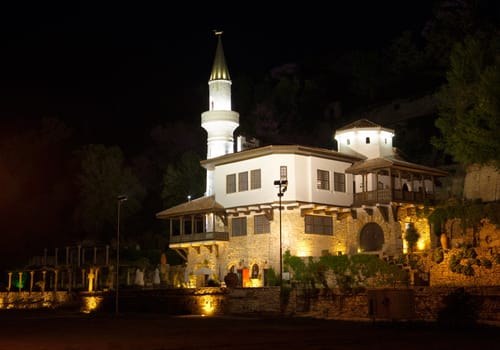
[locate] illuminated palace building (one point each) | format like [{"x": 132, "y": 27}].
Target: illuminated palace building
[{"x": 358, "y": 199}]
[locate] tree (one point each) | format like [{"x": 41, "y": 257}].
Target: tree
[
  {"x": 103, "y": 176},
  {"x": 411, "y": 236},
  {"x": 182, "y": 179},
  {"x": 469, "y": 103}
]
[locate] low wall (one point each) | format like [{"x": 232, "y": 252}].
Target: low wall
[
  {"x": 418, "y": 303},
  {"x": 36, "y": 300}
]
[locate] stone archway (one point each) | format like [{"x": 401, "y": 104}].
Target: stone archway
[{"x": 371, "y": 237}]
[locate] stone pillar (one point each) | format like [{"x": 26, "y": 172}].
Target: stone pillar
[
  {"x": 44, "y": 275},
  {"x": 10, "y": 281},
  {"x": 91, "y": 280},
  {"x": 32, "y": 276},
  {"x": 96, "y": 278}
]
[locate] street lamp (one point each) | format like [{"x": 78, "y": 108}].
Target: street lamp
[
  {"x": 282, "y": 185},
  {"x": 120, "y": 199}
]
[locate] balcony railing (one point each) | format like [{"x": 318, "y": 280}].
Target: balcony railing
[
  {"x": 386, "y": 196},
  {"x": 198, "y": 237}
]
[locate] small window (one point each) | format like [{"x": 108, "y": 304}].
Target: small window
[
  {"x": 321, "y": 225},
  {"x": 231, "y": 183},
  {"x": 283, "y": 172},
  {"x": 255, "y": 181},
  {"x": 261, "y": 224},
  {"x": 198, "y": 224},
  {"x": 175, "y": 227},
  {"x": 367, "y": 140},
  {"x": 243, "y": 181},
  {"x": 339, "y": 182},
  {"x": 323, "y": 179},
  {"x": 188, "y": 226},
  {"x": 239, "y": 226}
]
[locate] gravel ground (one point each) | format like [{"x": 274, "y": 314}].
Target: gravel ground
[{"x": 72, "y": 331}]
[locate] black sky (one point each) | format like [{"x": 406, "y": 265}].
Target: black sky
[{"x": 115, "y": 68}]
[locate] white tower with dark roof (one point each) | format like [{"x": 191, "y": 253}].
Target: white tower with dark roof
[{"x": 219, "y": 121}]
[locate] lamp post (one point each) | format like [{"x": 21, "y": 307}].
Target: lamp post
[
  {"x": 120, "y": 200},
  {"x": 282, "y": 185}
]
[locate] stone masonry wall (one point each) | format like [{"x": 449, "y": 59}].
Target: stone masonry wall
[{"x": 442, "y": 275}]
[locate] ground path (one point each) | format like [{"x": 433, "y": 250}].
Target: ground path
[{"x": 65, "y": 331}]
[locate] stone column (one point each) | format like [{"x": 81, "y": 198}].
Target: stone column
[
  {"x": 44, "y": 275},
  {"x": 32, "y": 276},
  {"x": 10, "y": 281}
]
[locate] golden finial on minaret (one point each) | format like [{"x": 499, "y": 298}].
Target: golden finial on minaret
[{"x": 218, "y": 32}]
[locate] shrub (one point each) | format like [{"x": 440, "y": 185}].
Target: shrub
[{"x": 438, "y": 255}]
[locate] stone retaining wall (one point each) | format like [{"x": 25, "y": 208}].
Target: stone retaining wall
[{"x": 418, "y": 303}]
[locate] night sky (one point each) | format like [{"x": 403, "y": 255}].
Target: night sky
[{"x": 113, "y": 70}]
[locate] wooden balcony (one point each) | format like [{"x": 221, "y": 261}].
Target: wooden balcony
[
  {"x": 386, "y": 196},
  {"x": 199, "y": 237}
]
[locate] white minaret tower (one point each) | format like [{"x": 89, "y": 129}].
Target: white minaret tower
[{"x": 219, "y": 121}]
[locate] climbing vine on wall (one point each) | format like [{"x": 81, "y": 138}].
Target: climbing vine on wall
[
  {"x": 464, "y": 260},
  {"x": 352, "y": 273}
]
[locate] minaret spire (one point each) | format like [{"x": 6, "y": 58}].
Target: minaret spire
[
  {"x": 219, "y": 68},
  {"x": 219, "y": 121}
]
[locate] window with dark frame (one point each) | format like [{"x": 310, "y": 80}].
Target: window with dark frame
[
  {"x": 261, "y": 224},
  {"x": 188, "y": 226},
  {"x": 231, "y": 183},
  {"x": 255, "y": 180},
  {"x": 243, "y": 181},
  {"x": 239, "y": 226},
  {"x": 323, "y": 179},
  {"x": 339, "y": 182},
  {"x": 175, "y": 226},
  {"x": 283, "y": 172},
  {"x": 316, "y": 224}
]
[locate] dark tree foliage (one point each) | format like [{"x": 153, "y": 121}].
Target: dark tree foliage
[
  {"x": 182, "y": 179},
  {"x": 469, "y": 103},
  {"x": 103, "y": 176}
]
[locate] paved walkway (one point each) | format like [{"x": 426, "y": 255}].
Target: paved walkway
[{"x": 60, "y": 331}]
